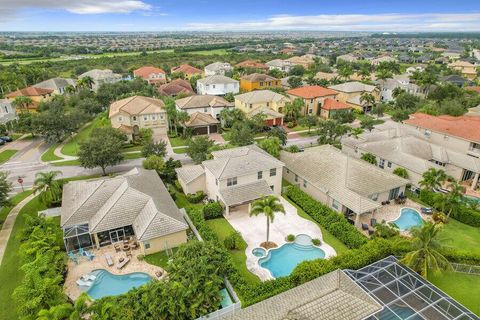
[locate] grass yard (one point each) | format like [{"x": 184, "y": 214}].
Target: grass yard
[
  {"x": 180, "y": 150},
  {"x": 71, "y": 147},
  {"x": 298, "y": 128},
  {"x": 16, "y": 136},
  {"x": 133, "y": 155},
  {"x": 462, "y": 287},
  {"x": 14, "y": 200},
  {"x": 49, "y": 155},
  {"x": 66, "y": 163},
  {"x": 178, "y": 141},
  {"x": 210, "y": 52},
  {"x": 462, "y": 236},
  {"x": 159, "y": 258},
  {"x": 6, "y": 155},
  {"x": 222, "y": 229}
]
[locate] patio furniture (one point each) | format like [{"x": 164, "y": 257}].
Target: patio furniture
[
  {"x": 88, "y": 277},
  {"x": 364, "y": 226},
  {"x": 134, "y": 245},
  {"x": 159, "y": 273},
  {"x": 373, "y": 222},
  {"x": 125, "y": 247},
  {"x": 129, "y": 254},
  {"x": 117, "y": 247},
  {"x": 370, "y": 232},
  {"x": 82, "y": 283},
  {"x": 426, "y": 210},
  {"x": 89, "y": 255},
  {"x": 121, "y": 259},
  {"x": 123, "y": 263},
  {"x": 73, "y": 257},
  {"x": 109, "y": 260}
]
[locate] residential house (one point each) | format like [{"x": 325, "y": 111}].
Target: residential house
[
  {"x": 217, "y": 85},
  {"x": 398, "y": 81},
  {"x": 176, "y": 87},
  {"x": 313, "y": 98},
  {"x": 100, "y": 212},
  {"x": 379, "y": 60},
  {"x": 7, "y": 111},
  {"x": 331, "y": 107},
  {"x": 218, "y": 68},
  {"x": 235, "y": 177},
  {"x": 456, "y": 80},
  {"x": 251, "y": 64},
  {"x": 417, "y": 149},
  {"x": 58, "y": 85},
  {"x": 152, "y": 75},
  {"x": 202, "y": 123},
  {"x": 346, "y": 184},
  {"x": 326, "y": 76},
  {"x": 259, "y": 81},
  {"x": 351, "y": 92},
  {"x": 347, "y": 58},
  {"x": 270, "y": 103},
  {"x": 304, "y": 61},
  {"x": 131, "y": 114},
  {"x": 37, "y": 95},
  {"x": 279, "y": 64},
  {"x": 100, "y": 77},
  {"x": 468, "y": 70},
  {"x": 188, "y": 71}
]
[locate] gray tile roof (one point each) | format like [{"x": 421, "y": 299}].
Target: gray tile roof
[
  {"x": 190, "y": 173},
  {"x": 218, "y": 66},
  {"x": 55, "y": 83},
  {"x": 353, "y": 86},
  {"x": 240, "y": 161},
  {"x": 202, "y": 101},
  {"x": 348, "y": 180},
  {"x": 138, "y": 198},
  {"x": 245, "y": 192},
  {"x": 259, "y": 96},
  {"x": 217, "y": 79},
  {"x": 333, "y": 296}
]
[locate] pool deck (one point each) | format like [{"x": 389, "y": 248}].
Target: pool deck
[
  {"x": 253, "y": 230},
  {"x": 392, "y": 212},
  {"x": 84, "y": 266}
]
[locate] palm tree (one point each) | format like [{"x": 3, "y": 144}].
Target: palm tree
[
  {"x": 182, "y": 117},
  {"x": 267, "y": 205},
  {"x": 355, "y": 132},
  {"x": 454, "y": 196},
  {"x": 85, "y": 82},
  {"x": 433, "y": 178},
  {"x": 70, "y": 89},
  {"x": 22, "y": 102},
  {"x": 49, "y": 188},
  {"x": 345, "y": 72},
  {"x": 426, "y": 256},
  {"x": 364, "y": 71},
  {"x": 293, "y": 109},
  {"x": 397, "y": 91},
  {"x": 367, "y": 99},
  {"x": 383, "y": 74}
]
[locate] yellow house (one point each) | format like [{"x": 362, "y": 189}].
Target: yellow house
[
  {"x": 259, "y": 81},
  {"x": 37, "y": 95},
  {"x": 188, "y": 71},
  {"x": 350, "y": 93},
  {"x": 467, "y": 69},
  {"x": 270, "y": 103}
]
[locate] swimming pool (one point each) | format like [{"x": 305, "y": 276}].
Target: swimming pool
[
  {"x": 281, "y": 261},
  {"x": 470, "y": 198},
  {"x": 408, "y": 218},
  {"x": 107, "y": 284}
]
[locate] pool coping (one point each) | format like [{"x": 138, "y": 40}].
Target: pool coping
[{"x": 400, "y": 214}]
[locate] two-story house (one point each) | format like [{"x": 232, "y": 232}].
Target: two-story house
[
  {"x": 279, "y": 64},
  {"x": 187, "y": 70},
  {"x": 351, "y": 93},
  {"x": 259, "y": 81},
  {"x": 270, "y": 103},
  {"x": 100, "y": 77},
  {"x": 313, "y": 97},
  {"x": 234, "y": 177},
  {"x": 151, "y": 74},
  {"x": 58, "y": 85},
  {"x": 131, "y": 114},
  {"x": 218, "y": 68},
  {"x": 217, "y": 85}
]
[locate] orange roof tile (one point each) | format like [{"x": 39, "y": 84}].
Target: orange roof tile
[
  {"x": 476, "y": 89},
  {"x": 331, "y": 104},
  {"x": 310, "y": 92},
  {"x": 146, "y": 71},
  {"x": 186, "y": 68},
  {"x": 251, "y": 64},
  {"x": 466, "y": 127},
  {"x": 29, "y": 92}
]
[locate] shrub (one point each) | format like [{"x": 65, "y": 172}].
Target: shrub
[
  {"x": 335, "y": 223},
  {"x": 178, "y": 186},
  {"x": 290, "y": 238},
  {"x": 316, "y": 242},
  {"x": 293, "y": 148},
  {"x": 439, "y": 217},
  {"x": 212, "y": 210},
  {"x": 233, "y": 241},
  {"x": 197, "y": 197},
  {"x": 291, "y": 124}
]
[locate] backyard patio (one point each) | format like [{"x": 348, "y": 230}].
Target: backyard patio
[
  {"x": 253, "y": 231},
  {"x": 84, "y": 266}
]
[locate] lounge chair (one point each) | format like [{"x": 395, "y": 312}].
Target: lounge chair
[
  {"x": 123, "y": 263},
  {"x": 89, "y": 255},
  {"x": 117, "y": 247},
  {"x": 109, "y": 260},
  {"x": 426, "y": 210},
  {"x": 82, "y": 283},
  {"x": 73, "y": 257},
  {"x": 88, "y": 277}
]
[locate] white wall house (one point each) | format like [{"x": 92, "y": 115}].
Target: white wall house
[
  {"x": 207, "y": 104},
  {"x": 217, "y": 85},
  {"x": 7, "y": 111},
  {"x": 218, "y": 68}
]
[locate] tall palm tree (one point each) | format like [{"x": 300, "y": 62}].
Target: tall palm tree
[
  {"x": 426, "y": 255},
  {"x": 433, "y": 178},
  {"x": 22, "y": 102},
  {"x": 397, "y": 91},
  {"x": 85, "y": 82},
  {"x": 367, "y": 100},
  {"x": 48, "y": 186},
  {"x": 345, "y": 72},
  {"x": 293, "y": 109},
  {"x": 383, "y": 74},
  {"x": 182, "y": 117},
  {"x": 454, "y": 196},
  {"x": 267, "y": 205}
]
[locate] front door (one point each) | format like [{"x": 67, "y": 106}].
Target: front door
[{"x": 117, "y": 235}]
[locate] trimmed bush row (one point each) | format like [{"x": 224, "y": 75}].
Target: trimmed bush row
[
  {"x": 196, "y": 197},
  {"x": 212, "y": 210},
  {"x": 464, "y": 214},
  {"x": 331, "y": 220}
]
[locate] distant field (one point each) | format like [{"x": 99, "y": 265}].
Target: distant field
[{"x": 210, "y": 52}]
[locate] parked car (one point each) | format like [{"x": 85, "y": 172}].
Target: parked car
[
  {"x": 2, "y": 142},
  {"x": 6, "y": 139}
]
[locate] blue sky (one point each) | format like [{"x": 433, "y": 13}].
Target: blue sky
[{"x": 159, "y": 15}]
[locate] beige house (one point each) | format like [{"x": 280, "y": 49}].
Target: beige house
[
  {"x": 234, "y": 177},
  {"x": 272, "y": 104},
  {"x": 100, "y": 77},
  {"x": 467, "y": 69},
  {"x": 137, "y": 205},
  {"x": 134, "y": 113},
  {"x": 351, "y": 92},
  {"x": 346, "y": 184},
  {"x": 58, "y": 85},
  {"x": 313, "y": 97}
]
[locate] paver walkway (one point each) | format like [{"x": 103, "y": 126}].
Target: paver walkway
[{"x": 9, "y": 223}]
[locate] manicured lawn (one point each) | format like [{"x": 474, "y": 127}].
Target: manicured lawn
[
  {"x": 180, "y": 150},
  {"x": 6, "y": 155},
  {"x": 298, "y": 128},
  {"x": 182, "y": 202},
  {"x": 49, "y": 154},
  {"x": 133, "y": 155},
  {"x": 14, "y": 200},
  {"x": 220, "y": 52},
  {"x": 462, "y": 236},
  {"x": 132, "y": 148},
  {"x": 462, "y": 287},
  {"x": 159, "y": 258},
  {"x": 178, "y": 141},
  {"x": 15, "y": 136},
  {"x": 222, "y": 229},
  {"x": 10, "y": 273},
  {"x": 71, "y": 147}
]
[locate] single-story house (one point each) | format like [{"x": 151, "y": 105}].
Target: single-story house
[{"x": 58, "y": 85}]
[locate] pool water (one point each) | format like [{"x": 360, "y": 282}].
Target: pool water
[
  {"x": 408, "y": 219},
  {"x": 107, "y": 284},
  {"x": 281, "y": 261},
  {"x": 226, "y": 299},
  {"x": 471, "y": 198},
  {"x": 259, "y": 252}
]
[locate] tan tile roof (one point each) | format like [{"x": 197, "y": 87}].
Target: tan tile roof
[
  {"x": 258, "y": 77},
  {"x": 201, "y": 101},
  {"x": 146, "y": 71},
  {"x": 260, "y": 96},
  {"x": 199, "y": 119},
  {"x": 310, "y": 92},
  {"x": 245, "y": 192},
  {"x": 187, "y": 69},
  {"x": 189, "y": 173},
  {"x": 29, "y": 92},
  {"x": 137, "y": 105},
  {"x": 176, "y": 87},
  {"x": 251, "y": 64},
  {"x": 353, "y": 86}
]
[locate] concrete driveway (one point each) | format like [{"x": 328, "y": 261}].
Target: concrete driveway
[{"x": 254, "y": 231}]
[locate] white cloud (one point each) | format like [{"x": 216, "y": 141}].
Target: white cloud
[
  {"x": 355, "y": 22},
  {"x": 9, "y": 7}
]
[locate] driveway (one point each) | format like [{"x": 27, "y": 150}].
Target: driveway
[{"x": 254, "y": 231}]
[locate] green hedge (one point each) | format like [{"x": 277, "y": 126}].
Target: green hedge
[
  {"x": 464, "y": 214},
  {"x": 331, "y": 220},
  {"x": 212, "y": 210},
  {"x": 196, "y": 198}
]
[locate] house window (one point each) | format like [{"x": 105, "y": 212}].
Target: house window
[
  {"x": 119, "y": 118},
  {"x": 145, "y": 118},
  {"x": 381, "y": 164},
  {"x": 268, "y": 104},
  {"x": 213, "y": 86},
  {"x": 259, "y": 175},
  {"x": 272, "y": 187},
  {"x": 147, "y": 244},
  {"x": 310, "y": 110},
  {"x": 304, "y": 183},
  {"x": 251, "y": 106},
  {"x": 375, "y": 197},
  {"x": 296, "y": 178},
  {"x": 261, "y": 84},
  {"x": 216, "y": 182},
  {"x": 231, "y": 181},
  {"x": 205, "y": 109},
  {"x": 161, "y": 116},
  {"x": 335, "y": 204},
  {"x": 134, "y": 118},
  {"x": 153, "y": 117},
  {"x": 389, "y": 164},
  {"x": 273, "y": 172}
]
